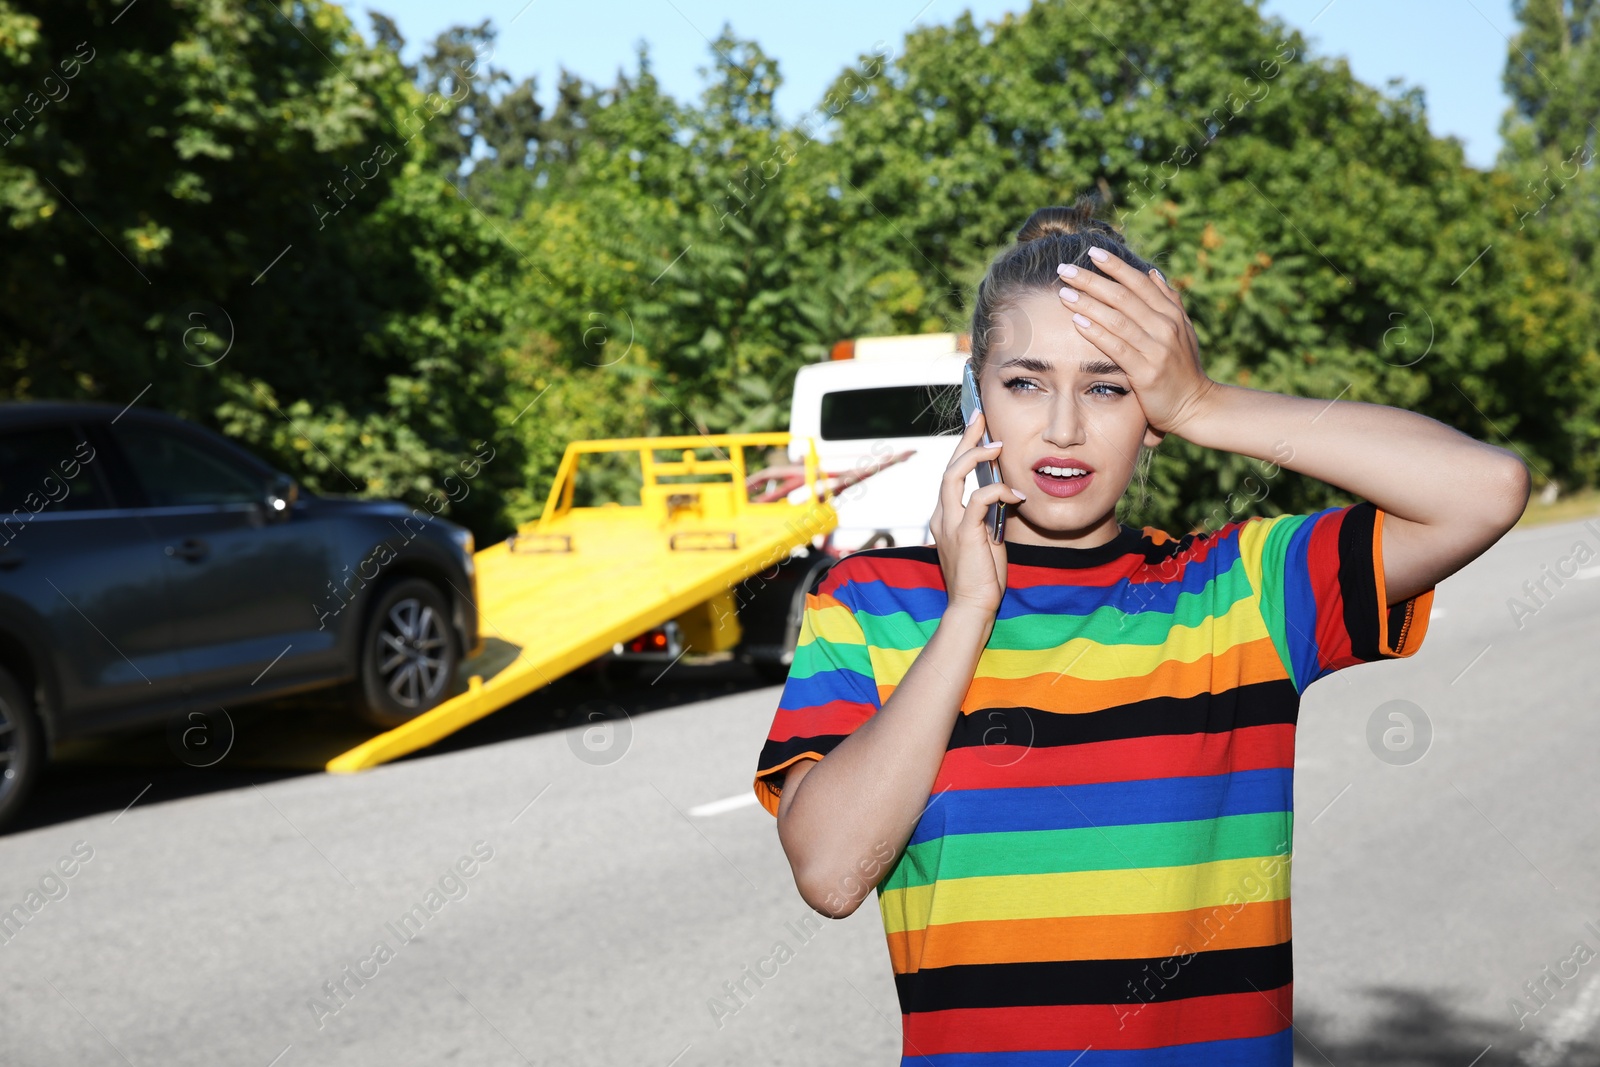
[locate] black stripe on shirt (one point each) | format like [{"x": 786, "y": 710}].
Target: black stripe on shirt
[
  {"x": 1358, "y": 584},
  {"x": 1120, "y": 981},
  {"x": 1259, "y": 704}
]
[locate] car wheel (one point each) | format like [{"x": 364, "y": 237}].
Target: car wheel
[
  {"x": 408, "y": 654},
  {"x": 21, "y": 747}
]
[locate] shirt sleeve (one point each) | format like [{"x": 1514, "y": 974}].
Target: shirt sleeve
[
  {"x": 1320, "y": 587},
  {"x": 830, "y": 689}
]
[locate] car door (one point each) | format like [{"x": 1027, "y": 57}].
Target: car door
[
  {"x": 244, "y": 584},
  {"x": 81, "y": 579}
]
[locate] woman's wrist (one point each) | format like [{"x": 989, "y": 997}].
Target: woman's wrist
[{"x": 967, "y": 619}]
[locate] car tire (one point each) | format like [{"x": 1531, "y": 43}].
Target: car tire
[
  {"x": 21, "y": 747},
  {"x": 408, "y": 654}
]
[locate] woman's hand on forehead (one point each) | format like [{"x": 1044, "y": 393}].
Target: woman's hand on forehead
[{"x": 1139, "y": 322}]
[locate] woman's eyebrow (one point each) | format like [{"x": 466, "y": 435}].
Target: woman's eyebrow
[
  {"x": 1041, "y": 366},
  {"x": 1033, "y": 363},
  {"x": 1100, "y": 366}
]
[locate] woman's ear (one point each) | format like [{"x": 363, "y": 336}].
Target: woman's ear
[{"x": 1153, "y": 438}]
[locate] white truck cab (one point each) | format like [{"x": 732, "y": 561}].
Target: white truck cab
[
  {"x": 875, "y": 399},
  {"x": 879, "y": 396}
]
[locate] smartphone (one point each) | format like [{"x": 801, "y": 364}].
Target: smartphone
[{"x": 988, "y": 471}]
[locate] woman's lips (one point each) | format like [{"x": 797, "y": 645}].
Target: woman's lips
[{"x": 1062, "y": 486}]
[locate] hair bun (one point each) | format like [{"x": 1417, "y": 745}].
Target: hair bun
[{"x": 1079, "y": 218}]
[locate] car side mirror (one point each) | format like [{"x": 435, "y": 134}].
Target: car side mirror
[{"x": 280, "y": 496}]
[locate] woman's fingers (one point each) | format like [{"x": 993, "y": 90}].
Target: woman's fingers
[
  {"x": 955, "y": 476},
  {"x": 1133, "y": 294},
  {"x": 978, "y": 505},
  {"x": 1104, "y": 323},
  {"x": 973, "y": 566},
  {"x": 1167, "y": 290},
  {"x": 965, "y": 458}
]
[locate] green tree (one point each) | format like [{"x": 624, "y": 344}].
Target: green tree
[
  {"x": 681, "y": 260},
  {"x": 226, "y": 211},
  {"x": 1548, "y": 172},
  {"x": 1552, "y": 75},
  {"x": 1328, "y": 244},
  {"x": 668, "y": 283}
]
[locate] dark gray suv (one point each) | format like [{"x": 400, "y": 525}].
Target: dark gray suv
[{"x": 149, "y": 568}]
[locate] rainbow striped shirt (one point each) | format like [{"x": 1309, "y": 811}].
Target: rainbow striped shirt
[{"x": 1102, "y": 867}]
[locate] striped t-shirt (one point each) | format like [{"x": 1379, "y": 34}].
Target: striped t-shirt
[{"x": 1103, "y": 862}]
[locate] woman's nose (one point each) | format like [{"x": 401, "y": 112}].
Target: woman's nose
[{"x": 1065, "y": 428}]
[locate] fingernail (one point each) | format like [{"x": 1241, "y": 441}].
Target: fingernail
[
  {"x": 996, "y": 444},
  {"x": 1020, "y": 493},
  {"x": 972, "y": 418},
  {"x": 1099, "y": 255},
  {"x": 1080, "y": 320},
  {"x": 1067, "y": 269},
  {"x": 1069, "y": 295}
]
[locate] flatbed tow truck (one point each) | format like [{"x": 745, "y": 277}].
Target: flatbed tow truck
[
  {"x": 672, "y": 574},
  {"x": 567, "y": 587}
]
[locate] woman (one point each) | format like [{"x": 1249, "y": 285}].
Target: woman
[{"x": 1065, "y": 761}]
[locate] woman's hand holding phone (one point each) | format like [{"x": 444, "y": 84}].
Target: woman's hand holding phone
[{"x": 974, "y": 565}]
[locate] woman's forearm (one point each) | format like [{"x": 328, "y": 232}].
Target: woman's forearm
[
  {"x": 1407, "y": 464},
  {"x": 853, "y": 812}
]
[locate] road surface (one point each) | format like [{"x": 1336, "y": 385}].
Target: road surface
[{"x": 556, "y": 889}]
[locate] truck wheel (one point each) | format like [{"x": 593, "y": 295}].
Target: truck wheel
[
  {"x": 408, "y": 654},
  {"x": 784, "y": 630},
  {"x": 771, "y": 671},
  {"x": 21, "y": 747}
]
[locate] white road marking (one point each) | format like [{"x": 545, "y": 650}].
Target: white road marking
[{"x": 726, "y": 804}]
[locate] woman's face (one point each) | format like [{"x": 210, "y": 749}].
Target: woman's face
[{"x": 1056, "y": 402}]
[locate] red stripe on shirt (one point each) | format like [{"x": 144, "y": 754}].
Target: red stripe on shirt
[
  {"x": 1070, "y": 1027},
  {"x": 1018, "y": 766}
]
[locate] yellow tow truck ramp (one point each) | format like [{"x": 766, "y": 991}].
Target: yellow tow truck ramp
[{"x": 567, "y": 587}]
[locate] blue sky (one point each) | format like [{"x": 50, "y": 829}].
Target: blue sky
[{"x": 1454, "y": 49}]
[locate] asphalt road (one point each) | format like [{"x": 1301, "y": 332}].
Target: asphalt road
[{"x": 546, "y": 889}]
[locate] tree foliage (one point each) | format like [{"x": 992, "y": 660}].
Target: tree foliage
[
  {"x": 461, "y": 262},
  {"x": 1547, "y": 164},
  {"x": 228, "y": 213},
  {"x": 1328, "y": 244}
]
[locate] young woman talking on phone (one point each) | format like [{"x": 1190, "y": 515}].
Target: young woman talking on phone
[{"x": 1065, "y": 761}]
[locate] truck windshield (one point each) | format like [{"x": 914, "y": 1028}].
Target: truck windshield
[{"x": 890, "y": 411}]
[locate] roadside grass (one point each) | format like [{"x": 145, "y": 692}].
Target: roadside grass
[{"x": 1583, "y": 504}]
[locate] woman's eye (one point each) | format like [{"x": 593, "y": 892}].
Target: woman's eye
[
  {"x": 1115, "y": 389},
  {"x": 1016, "y": 383}
]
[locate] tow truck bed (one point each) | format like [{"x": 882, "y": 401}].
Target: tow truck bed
[{"x": 565, "y": 588}]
